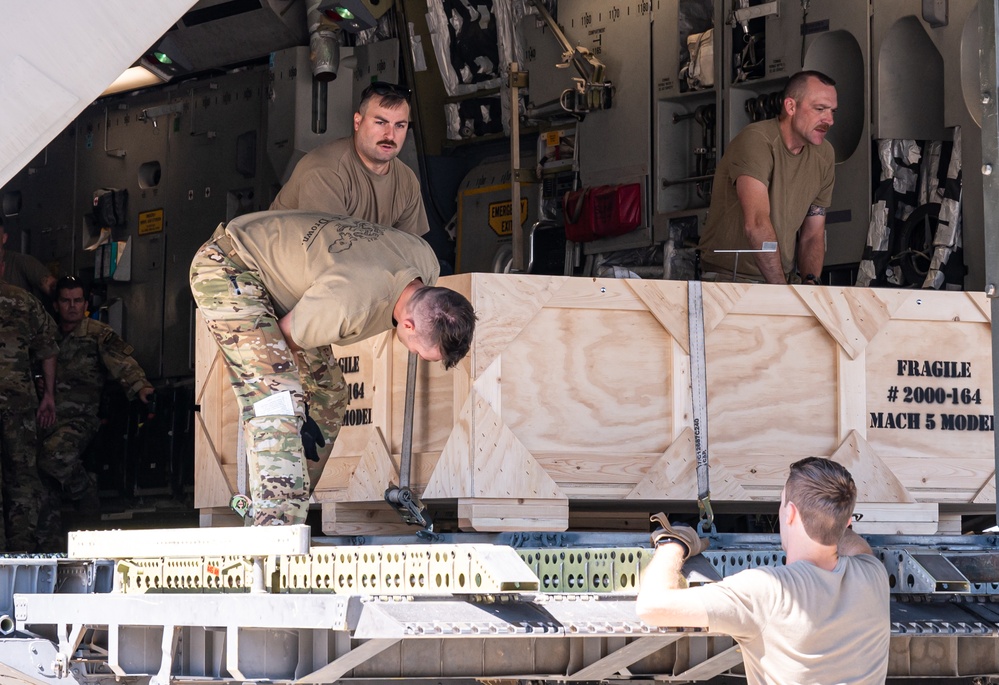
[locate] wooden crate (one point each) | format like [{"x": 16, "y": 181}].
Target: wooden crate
[
  {"x": 827, "y": 371},
  {"x": 577, "y": 391},
  {"x": 217, "y": 441}
]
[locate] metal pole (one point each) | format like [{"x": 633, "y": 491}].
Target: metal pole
[
  {"x": 517, "y": 232},
  {"x": 989, "y": 10},
  {"x": 406, "y": 458}
]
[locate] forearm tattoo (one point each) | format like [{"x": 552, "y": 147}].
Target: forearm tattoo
[{"x": 814, "y": 210}]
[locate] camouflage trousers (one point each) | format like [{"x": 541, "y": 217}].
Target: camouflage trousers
[
  {"x": 63, "y": 476},
  {"x": 240, "y": 315},
  {"x": 21, "y": 485}
]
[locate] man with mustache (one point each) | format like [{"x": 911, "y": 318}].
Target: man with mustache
[
  {"x": 360, "y": 176},
  {"x": 774, "y": 184}
]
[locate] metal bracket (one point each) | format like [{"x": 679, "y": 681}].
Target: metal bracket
[
  {"x": 69, "y": 642},
  {"x": 935, "y": 12},
  {"x": 743, "y": 16},
  {"x": 591, "y": 91},
  {"x": 518, "y": 79},
  {"x": 152, "y": 113},
  {"x": 409, "y": 506},
  {"x": 768, "y": 246},
  {"x": 525, "y": 176}
]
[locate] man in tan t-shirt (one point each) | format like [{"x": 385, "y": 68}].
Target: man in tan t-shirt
[
  {"x": 773, "y": 184},
  {"x": 821, "y": 618},
  {"x": 276, "y": 289},
  {"x": 361, "y": 176}
]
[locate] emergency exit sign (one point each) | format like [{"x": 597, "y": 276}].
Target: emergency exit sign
[{"x": 501, "y": 216}]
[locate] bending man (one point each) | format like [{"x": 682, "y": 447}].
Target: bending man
[{"x": 277, "y": 289}]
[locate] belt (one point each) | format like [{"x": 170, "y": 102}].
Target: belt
[{"x": 228, "y": 248}]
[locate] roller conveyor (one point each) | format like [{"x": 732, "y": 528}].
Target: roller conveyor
[{"x": 482, "y": 609}]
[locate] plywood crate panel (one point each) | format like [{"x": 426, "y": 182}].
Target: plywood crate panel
[
  {"x": 367, "y": 367},
  {"x": 795, "y": 371},
  {"x": 556, "y": 400},
  {"x": 577, "y": 390}
]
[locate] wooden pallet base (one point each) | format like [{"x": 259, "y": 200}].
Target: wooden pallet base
[
  {"x": 473, "y": 515},
  {"x": 613, "y": 521},
  {"x": 949, "y": 524},
  {"x": 486, "y": 515},
  {"x": 503, "y": 515},
  {"x": 551, "y": 515},
  {"x": 895, "y": 518},
  {"x": 218, "y": 517},
  {"x": 363, "y": 518}
]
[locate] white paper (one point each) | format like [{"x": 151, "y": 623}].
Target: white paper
[
  {"x": 416, "y": 45},
  {"x": 275, "y": 405}
]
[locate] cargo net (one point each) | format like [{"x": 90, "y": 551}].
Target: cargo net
[
  {"x": 914, "y": 238},
  {"x": 475, "y": 41}
]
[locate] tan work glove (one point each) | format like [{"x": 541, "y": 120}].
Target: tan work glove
[{"x": 685, "y": 535}]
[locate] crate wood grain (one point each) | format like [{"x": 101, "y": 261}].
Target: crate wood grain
[{"x": 577, "y": 391}]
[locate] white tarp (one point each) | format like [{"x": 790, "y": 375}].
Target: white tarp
[{"x": 58, "y": 57}]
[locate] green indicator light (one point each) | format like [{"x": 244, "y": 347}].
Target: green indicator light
[
  {"x": 344, "y": 12},
  {"x": 162, "y": 58}
]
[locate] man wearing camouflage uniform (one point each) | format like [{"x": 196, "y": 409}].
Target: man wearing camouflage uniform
[
  {"x": 90, "y": 352},
  {"x": 276, "y": 290},
  {"x": 25, "y": 271},
  {"x": 27, "y": 333}
]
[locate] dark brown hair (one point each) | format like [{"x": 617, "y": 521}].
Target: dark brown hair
[
  {"x": 825, "y": 494},
  {"x": 451, "y": 321},
  {"x": 798, "y": 84},
  {"x": 391, "y": 94},
  {"x": 68, "y": 283}
]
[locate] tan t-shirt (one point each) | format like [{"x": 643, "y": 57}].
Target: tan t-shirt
[
  {"x": 341, "y": 276},
  {"x": 801, "y": 625},
  {"x": 794, "y": 182},
  {"x": 333, "y": 179}
]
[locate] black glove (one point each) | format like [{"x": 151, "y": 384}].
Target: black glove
[{"x": 312, "y": 437}]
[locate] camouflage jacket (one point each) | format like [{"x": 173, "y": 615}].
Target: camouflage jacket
[
  {"x": 27, "y": 333},
  {"x": 88, "y": 356},
  {"x": 24, "y": 271}
]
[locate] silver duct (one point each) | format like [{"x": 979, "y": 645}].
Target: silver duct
[{"x": 324, "y": 43}]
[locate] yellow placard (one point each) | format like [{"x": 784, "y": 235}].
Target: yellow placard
[
  {"x": 551, "y": 138},
  {"x": 151, "y": 222},
  {"x": 500, "y": 213}
]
